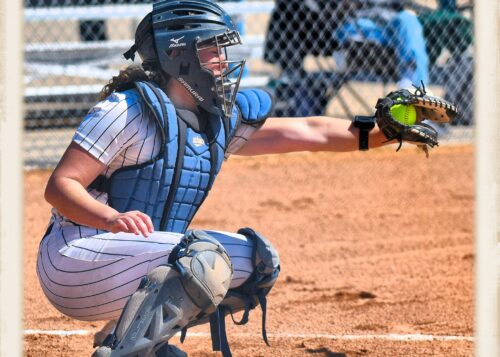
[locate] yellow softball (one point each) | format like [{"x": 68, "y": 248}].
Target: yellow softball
[{"x": 405, "y": 114}]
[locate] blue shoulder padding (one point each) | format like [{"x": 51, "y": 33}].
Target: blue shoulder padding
[{"x": 255, "y": 105}]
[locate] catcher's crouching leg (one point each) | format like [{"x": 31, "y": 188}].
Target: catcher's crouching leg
[
  {"x": 193, "y": 283},
  {"x": 246, "y": 296}
]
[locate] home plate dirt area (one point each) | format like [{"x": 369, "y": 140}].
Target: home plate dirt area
[{"x": 376, "y": 255}]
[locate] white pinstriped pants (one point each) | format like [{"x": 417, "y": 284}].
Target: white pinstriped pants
[{"x": 91, "y": 278}]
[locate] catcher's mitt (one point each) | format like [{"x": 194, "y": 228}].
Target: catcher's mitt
[{"x": 427, "y": 107}]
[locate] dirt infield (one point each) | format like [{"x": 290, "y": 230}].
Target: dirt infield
[{"x": 376, "y": 249}]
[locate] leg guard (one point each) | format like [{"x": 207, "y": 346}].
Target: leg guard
[
  {"x": 193, "y": 283},
  {"x": 247, "y": 296}
]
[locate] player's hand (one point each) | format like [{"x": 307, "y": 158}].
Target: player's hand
[{"x": 130, "y": 222}]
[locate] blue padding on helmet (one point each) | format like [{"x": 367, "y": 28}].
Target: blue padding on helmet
[{"x": 255, "y": 105}]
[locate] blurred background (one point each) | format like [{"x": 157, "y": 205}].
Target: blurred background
[{"x": 318, "y": 57}]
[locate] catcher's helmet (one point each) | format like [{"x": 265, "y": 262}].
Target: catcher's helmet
[{"x": 169, "y": 38}]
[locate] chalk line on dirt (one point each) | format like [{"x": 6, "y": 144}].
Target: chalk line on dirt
[{"x": 387, "y": 337}]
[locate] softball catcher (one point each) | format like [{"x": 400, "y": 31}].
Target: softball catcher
[{"x": 140, "y": 165}]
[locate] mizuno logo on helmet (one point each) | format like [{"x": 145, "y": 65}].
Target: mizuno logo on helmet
[
  {"x": 175, "y": 42},
  {"x": 191, "y": 90}
]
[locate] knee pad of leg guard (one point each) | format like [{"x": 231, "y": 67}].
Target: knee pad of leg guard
[
  {"x": 205, "y": 267},
  {"x": 266, "y": 271},
  {"x": 250, "y": 294},
  {"x": 266, "y": 260}
]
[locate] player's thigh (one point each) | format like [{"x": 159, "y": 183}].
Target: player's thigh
[{"x": 91, "y": 278}]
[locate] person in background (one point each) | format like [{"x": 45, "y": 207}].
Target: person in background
[{"x": 378, "y": 40}]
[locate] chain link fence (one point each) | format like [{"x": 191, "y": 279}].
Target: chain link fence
[{"x": 317, "y": 56}]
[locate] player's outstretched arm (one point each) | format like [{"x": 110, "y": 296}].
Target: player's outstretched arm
[
  {"x": 399, "y": 117},
  {"x": 66, "y": 191},
  {"x": 282, "y": 135}
]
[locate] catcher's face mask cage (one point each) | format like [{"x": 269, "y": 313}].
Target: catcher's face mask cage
[
  {"x": 170, "y": 40},
  {"x": 226, "y": 73}
]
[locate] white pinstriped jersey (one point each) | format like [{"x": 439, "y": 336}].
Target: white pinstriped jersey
[
  {"x": 120, "y": 131},
  {"x": 89, "y": 274}
]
